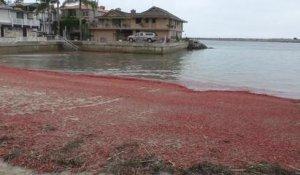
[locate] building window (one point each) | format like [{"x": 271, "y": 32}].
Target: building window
[
  {"x": 2, "y": 31},
  {"x": 20, "y": 15},
  {"x": 72, "y": 13},
  {"x": 153, "y": 20},
  {"x": 29, "y": 15},
  {"x": 138, "y": 20},
  {"x": 147, "y": 20},
  {"x": 117, "y": 22},
  {"x": 85, "y": 13}
]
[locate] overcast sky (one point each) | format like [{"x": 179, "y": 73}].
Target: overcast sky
[{"x": 227, "y": 18}]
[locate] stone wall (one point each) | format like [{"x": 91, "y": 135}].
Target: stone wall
[
  {"x": 30, "y": 47},
  {"x": 138, "y": 48},
  {"x": 120, "y": 47}
]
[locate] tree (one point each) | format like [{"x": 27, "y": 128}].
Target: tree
[
  {"x": 3, "y": 2},
  {"x": 69, "y": 22},
  {"x": 48, "y": 5},
  {"x": 58, "y": 17},
  {"x": 90, "y": 3}
]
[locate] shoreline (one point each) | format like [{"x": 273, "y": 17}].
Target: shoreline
[
  {"x": 87, "y": 118},
  {"x": 155, "y": 81}
]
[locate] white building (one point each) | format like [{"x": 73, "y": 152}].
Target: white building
[{"x": 16, "y": 22}]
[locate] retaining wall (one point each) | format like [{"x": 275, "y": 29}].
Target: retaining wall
[
  {"x": 126, "y": 47},
  {"x": 30, "y": 47}
]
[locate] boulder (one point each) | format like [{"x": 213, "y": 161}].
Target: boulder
[{"x": 196, "y": 45}]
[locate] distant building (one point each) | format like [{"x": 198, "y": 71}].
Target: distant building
[
  {"x": 18, "y": 20},
  {"x": 118, "y": 25},
  {"x": 48, "y": 20},
  {"x": 70, "y": 9}
]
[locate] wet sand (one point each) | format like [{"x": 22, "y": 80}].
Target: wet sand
[{"x": 53, "y": 121}]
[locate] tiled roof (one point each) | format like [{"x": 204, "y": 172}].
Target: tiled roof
[
  {"x": 159, "y": 13},
  {"x": 153, "y": 12},
  {"x": 117, "y": 13}
]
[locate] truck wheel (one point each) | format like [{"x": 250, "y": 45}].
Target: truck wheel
[
  {"x": 149, "y": 40},
  {"x": 130, "y": 39}
]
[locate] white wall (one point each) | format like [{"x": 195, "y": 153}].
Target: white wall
[{"x": 4, "y": 16}]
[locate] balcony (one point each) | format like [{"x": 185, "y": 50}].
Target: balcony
[
  {"x": 25, "y": 22},
  {"x": 18, "y": 21},
  {"x": 109, "y": 26}
]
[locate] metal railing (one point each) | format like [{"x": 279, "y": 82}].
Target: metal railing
[
  {"x": 25, "y": 22},
  {"x": 141, "y": 26},
  {"x": 67, "y": 42},
  {"x": 10, "y": 18},
  {"x": 14, "y": 40},
  {"x": 127, "y": 26}
]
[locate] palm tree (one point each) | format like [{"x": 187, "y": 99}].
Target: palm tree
[
  {"x": 47, "y": 5},
  {"x": 58, "y": 17},
  {"x": 91, "y": 3},
  {"x": 2, "y": 2}
]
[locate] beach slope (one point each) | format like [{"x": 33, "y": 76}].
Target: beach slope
[{"x": 53, "y": 121}]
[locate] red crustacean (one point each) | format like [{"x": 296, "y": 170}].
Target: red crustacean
[{"x": 48, "y": 118}]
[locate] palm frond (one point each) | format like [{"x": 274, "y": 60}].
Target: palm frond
[
  {"x": 3, "y": 2},
  {"x": 41, "y": 7},
  {"x": 45, "y": 4},
  {"x": 91, "y": 3}
]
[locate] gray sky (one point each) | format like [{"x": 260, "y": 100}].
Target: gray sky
[{"x": 227, "y": 18}]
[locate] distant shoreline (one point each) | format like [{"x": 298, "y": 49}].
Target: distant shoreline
[{"x": 254, "y": 39}]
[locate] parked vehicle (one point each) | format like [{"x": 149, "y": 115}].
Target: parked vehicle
[{"x": 143, "y": 36}]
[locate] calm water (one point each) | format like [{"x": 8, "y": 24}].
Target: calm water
[{"x": 272, "y": 68}]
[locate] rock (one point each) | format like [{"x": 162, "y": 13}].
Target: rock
[{"x": 195, "y": 44}]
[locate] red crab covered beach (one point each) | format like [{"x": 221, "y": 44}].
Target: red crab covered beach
[{"x": 52, "y": 121}]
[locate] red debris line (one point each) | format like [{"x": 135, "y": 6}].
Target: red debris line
[{"x": 42, "y": 114}]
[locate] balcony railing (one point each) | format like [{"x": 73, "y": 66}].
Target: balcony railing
[
  {"x": 135, "y": 26},
  {"x": 22, "y": 22},
  {"x": 111, "y": 26},
  {"x": 25, "y": 22}
]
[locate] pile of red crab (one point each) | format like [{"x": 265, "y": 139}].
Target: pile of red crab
[{"x": 50, "y": 121}]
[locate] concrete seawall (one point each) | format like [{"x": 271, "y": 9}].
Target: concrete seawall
[
  {"x": 30, "y": 47},
  {"x": 125, "y": 47},
  {"x": 138, "y": 48}
]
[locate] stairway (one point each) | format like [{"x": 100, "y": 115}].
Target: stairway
[{"x": 68, "y": 43}]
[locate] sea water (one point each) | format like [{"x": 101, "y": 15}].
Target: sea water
[{"x": 259, "y": 67}]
